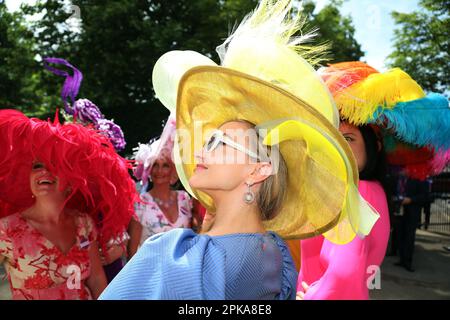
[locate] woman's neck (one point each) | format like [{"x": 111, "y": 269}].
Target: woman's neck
[
  {"x": 45, "y": 210},
  {"x": 235, "y": 216},
  {"x": 161, "y": 191}
]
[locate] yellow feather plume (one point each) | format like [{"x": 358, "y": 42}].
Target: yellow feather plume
[
  {"x": 264, "y": 46},
  {"x": 358, "y": 102}
]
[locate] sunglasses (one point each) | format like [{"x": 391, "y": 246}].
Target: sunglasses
[{"x": 218, "y": 137}]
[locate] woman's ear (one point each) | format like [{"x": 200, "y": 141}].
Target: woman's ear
[{"x": 262, "y": 171}]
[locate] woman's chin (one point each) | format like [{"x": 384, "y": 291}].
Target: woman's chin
[
  {"x": 48, "y": 194},
  {"x": 198, "y": 183},
  {"x": 161, "y": 181}
]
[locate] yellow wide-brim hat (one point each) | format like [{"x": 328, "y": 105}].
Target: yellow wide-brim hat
[{"x": 280, "y": 92}]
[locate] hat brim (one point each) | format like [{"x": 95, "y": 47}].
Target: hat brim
[{"x": 209, "y": 96}]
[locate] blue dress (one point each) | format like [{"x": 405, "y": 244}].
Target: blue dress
[{"x": 182, "y": 265}]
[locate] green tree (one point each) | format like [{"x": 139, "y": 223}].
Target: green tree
[
  {"x": 118, "y": 42},
  {"x": 53, "y": 37},
  {"x": 421, "y": 44},
  {"x": 17, "y": 64}
]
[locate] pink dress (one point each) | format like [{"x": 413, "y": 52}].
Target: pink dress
[
  {"x": 336, "y": 272},
  {"x": 153, "y": 219},
  {"x": 37, "y": 269}
]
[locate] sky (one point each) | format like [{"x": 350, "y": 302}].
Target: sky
[
  {"x": 374, "y": 26},
  {"x": 14, "y": 5},
  {"x": 371, "y": 19}
]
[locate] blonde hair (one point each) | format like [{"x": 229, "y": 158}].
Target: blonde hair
[
  {"x": 272, "y": 191},
  {"x": 271, "y": 194}
]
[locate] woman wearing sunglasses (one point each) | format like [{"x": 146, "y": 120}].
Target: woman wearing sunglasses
[{"x": 271, "y": 165}]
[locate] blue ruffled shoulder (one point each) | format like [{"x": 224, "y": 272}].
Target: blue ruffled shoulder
[
  {"x": 183, "y": 265},
  {"x": 289, "y": 271}
]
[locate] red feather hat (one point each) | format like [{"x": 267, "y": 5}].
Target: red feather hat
[{"x": 80, "y": 157}]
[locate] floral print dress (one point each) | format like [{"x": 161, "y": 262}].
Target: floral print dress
[
  {"x": 153, "y": 219},
  {"x": 37, "y": 269}
]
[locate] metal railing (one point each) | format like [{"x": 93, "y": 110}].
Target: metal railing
[{"x": 440, "y": 206}]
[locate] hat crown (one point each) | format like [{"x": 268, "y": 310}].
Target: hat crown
[{"x": 146, "y": 154}]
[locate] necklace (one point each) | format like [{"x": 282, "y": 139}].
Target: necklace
[{"x": 162, "y": 203}]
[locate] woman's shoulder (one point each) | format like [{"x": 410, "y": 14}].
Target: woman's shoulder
[
  {"x": 261, "y": 249},
  {"x": 85, "y": 223},
  {"x": 250, "y": 245},
  {"x": 289, "y": 271},
  {"x": 374, "y": 194},
  {"x": 184, "y": 241},
  {"x": 146, "y": 197},
  {"x": 154, "y": 271},
  {"x": 174, "y": 237},
  {"x": 11, "y": 220},
  {"x": 183, "y": 195},
  {"x": 371, "y": 187},
  {"x": 10, "y": 217},
  {"x": 79, "y": 215},
  {"x": 281, "y": 244},
  {"x": 189, "y": 244}
]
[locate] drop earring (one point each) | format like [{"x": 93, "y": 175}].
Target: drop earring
[{"x": 249, "y": 196}]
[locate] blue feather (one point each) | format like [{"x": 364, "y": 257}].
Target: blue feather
[{"x": 422, "y": 122}]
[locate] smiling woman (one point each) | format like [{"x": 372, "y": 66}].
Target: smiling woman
[
  {"x": 161, "y": 208},
  {"x": 49, "y": 240},
  {"x": 52, "y": 233}
]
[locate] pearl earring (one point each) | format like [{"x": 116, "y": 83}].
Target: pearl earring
[{"x": 249, "y": 196}]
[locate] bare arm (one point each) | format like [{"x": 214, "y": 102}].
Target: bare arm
[
  {"x": 135, "y": 232},
  {"x": 97, "y": 279}
]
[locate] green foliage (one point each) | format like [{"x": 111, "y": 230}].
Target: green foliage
[
  {"x": 17, "y": 65},
  {"x": 421, "y": 43},
  {"x": 118, "y": 43}
]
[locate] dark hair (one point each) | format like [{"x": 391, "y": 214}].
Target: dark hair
[{"x": 376, "y": 166}]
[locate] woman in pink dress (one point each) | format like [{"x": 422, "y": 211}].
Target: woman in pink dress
[
  {"x": 331, "y": 271},
  {"x": 161, "y": 208},
  {"x": 64, "y": 192},
  {"x": 414, "y": 129},
  {"x": 50, "y": 252}
]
